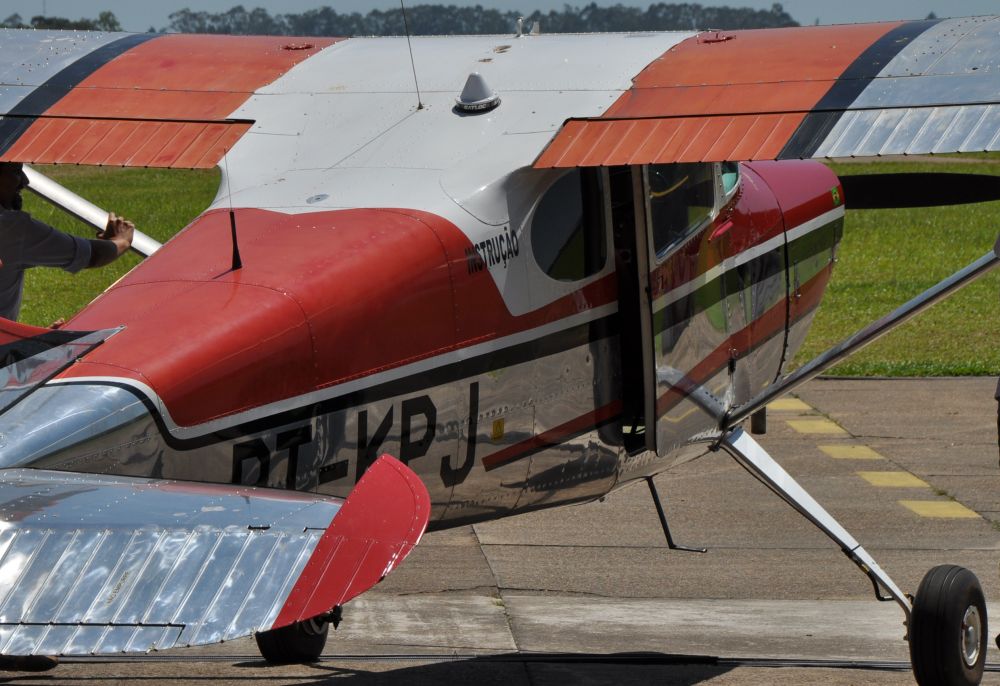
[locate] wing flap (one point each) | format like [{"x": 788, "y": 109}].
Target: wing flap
[
  {"x": 126, "y": 142},
  {"x": 807, "y": 92}
]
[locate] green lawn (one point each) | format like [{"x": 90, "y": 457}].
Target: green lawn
[
  {"x": 160, "y": 202},
  {"x": 887, "y": 257}
]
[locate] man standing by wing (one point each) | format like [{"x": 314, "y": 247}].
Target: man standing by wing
[{"x": 27, "y": 242}]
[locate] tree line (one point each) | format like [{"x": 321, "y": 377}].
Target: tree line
[
  {"x": 106, "y": 21},
  {"x": 430, "y": 20}
]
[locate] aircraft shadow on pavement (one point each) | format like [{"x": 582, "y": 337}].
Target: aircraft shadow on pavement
[{"x": 536, "y": 669}]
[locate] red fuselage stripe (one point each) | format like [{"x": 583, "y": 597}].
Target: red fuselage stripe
[{"x": 553, "y": 436}]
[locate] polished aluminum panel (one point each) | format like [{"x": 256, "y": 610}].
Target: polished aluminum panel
[
  {"x": 914, "y": 131},
  {"x": 582, "y": 465},
  {"x": 935, "y": 96},
  {"x": 206, "y": 564},
  {"x": 30, "y": 58},
  {"x": 946, "y": 48}
]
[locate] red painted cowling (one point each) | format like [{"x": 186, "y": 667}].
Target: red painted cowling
[{"x": 322, "y": 298}]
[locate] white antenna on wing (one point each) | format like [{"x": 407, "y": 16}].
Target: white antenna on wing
[{"x": 406, "y": 28}]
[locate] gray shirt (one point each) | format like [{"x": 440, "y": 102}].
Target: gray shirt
[{"x": 27, "y": 242}]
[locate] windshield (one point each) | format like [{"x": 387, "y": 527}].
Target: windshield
[{"x": 30, "y": 356}]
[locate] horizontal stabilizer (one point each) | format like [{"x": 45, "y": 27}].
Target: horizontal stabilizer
[{"x": 101, "y": 565}]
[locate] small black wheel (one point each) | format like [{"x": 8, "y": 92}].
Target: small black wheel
[
  {"x": 296, "y": 643},
  {"x": 948, "y": 628}
]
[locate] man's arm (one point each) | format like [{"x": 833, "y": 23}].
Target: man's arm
[{"x": 111, "y": 243}]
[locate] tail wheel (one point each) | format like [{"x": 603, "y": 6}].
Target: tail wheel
[
  {"x": 296, "y": 643},
  {"x": 948, "y": 628}
]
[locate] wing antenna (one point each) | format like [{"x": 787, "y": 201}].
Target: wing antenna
[
  {"x": 413, "y": 65},
  {"x": 237, "y": 261}
]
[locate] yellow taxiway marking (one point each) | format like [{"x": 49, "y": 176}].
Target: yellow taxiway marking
[
  {"x": 893, "y": 479},
  {"x": 940, "y": 509},
  {"x": 789, "y": 405},
  {"x": 851, "y": 452},
  {"x": 815, "y": 426}
]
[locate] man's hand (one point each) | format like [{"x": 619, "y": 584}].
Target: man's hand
[{"x": 120, "y": 232}]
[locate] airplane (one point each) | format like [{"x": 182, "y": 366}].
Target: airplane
[{"x": 444, "y": 280}]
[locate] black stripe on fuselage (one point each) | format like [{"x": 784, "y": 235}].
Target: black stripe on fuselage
[
  {"x": 818, "y": 124},
  {"x": 551, "y": 344},
  {"x": 15, "y": 122}
]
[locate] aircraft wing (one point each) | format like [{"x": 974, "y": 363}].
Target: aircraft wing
[
  {"x": 892, "y": 88},
  {"x": 141, "y": 100},
  {"x": 97, "y": 565}
]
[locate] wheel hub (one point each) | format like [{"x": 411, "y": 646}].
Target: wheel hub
[{"x": 972, "y": 629}]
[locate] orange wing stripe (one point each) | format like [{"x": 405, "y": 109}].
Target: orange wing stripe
[
  {"x": 163, "y": 103},
  {"x": 741, "y": 98}
]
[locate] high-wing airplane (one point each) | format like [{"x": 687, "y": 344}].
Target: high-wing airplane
[{"x": 532, "y": 268}]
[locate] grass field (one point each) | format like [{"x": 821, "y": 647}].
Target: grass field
[
  {"x": 160, "y": 202},
  {"x": 887, "y": 257}
]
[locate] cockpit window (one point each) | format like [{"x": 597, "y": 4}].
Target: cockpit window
[
  {"x": 681, "y": 198},
  {"x": 567, "y": 237}
]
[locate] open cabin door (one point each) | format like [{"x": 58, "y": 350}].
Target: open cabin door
[{"x": 677, "y": 365}]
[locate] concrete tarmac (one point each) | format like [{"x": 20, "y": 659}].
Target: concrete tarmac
[{"x": 591, "y": 595}]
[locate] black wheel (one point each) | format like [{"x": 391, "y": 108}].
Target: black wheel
[
  {"x": 948, "y": 628},
  {"x": 295, "y": 643}
]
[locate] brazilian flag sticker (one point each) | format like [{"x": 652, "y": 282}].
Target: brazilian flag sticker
[{"x": 835, "y": 194}]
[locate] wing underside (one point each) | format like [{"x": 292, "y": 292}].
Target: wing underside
[{"x": 97, "y": 565}]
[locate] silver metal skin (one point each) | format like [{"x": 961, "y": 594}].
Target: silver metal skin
[
  {"x": 81, "y": 208},
  {"x": 932, "y": 97},
  {"x": 752, "y": 456},
  {"x": 108, "y": 429},
  {"x": 972, "y": 631},
  {"x": 208, "y": 563},
  {"x": 867, "y": 335}
]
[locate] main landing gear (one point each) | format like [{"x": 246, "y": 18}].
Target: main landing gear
[
  {"x": 296, "y": 643},
  {"x": 300, "y": 642},
  {"x": 946, "y": 621}
]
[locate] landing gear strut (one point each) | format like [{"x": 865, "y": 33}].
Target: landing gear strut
[{"x": 946, "y": 620}]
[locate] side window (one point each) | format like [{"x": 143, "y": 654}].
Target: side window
[
  {"x": 730, "y": 177},
  {"x": 681, "y": 198},
  {"x": 567, "y": 234}
]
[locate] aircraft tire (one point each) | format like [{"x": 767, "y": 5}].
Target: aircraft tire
[
  {"x": 296, "y": 643},
  {"x": 948, "y": 628}
]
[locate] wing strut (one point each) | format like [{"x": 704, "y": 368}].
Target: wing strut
[
  {"x": 752, "y": 457},
  {"x": 876, "y": 329},
  {"x": 81, "y": 208}
]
